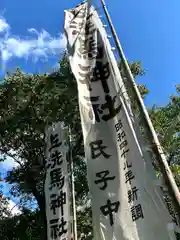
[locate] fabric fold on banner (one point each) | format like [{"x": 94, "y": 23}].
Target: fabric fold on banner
[
  {"x": 126, "y": 203},
  {"x": 57, "y": 184}
]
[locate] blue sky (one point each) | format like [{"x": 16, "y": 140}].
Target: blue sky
[
  {"x": 30, "y": 38},
  {"x": 148, "y": 30}
]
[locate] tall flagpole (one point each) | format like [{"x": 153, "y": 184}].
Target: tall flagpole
[
  {"x": 72, "y": 187},
  {"x": 157, "y": 149}
]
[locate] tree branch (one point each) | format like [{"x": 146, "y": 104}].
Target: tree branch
[{"x": 6, "y": 152}]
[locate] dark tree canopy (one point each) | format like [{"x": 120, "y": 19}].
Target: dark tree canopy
[{"x": 28, "y": 104}]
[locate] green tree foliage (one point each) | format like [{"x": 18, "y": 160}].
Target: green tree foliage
[
  {"x": 27, "y": 226},
  {"x": 137, "y": 71},
  {"x": 166, "y": 121},
  {"x": 28, "y": 104},
  {"x": 4, "y": 210}
]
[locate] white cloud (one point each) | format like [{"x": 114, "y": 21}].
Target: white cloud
[
  {"x": 8, "y": 164},
  {"x": 3, "y": 25},
  {"x": 38, "y": 45}
]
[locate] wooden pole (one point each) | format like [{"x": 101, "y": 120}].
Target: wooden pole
[
  {"x": 156, "y": 147},
  {"x": 72, "y": 187}
]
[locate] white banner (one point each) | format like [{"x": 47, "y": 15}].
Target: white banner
[
  {"x": 126, "y": 203},
  {"x": 57, "y": 185}
]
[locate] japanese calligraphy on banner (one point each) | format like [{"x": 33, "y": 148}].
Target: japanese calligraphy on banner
[
  {"x": 57, "y": 185},
  {"x": 126, "y": 204}
]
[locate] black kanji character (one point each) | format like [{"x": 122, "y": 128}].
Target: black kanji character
[
  {"x": 78, "y": 22},
  {"x": 132, "y": 195},
  {"x": 76, "y": 26},
  {"x": 78, "y": 11},
  {"x": 127, "y": 165},
  {"x": 54, "y": 140},
  {"x": 88, "y": 48},
  {"x": 102, "y": 73},
  {"x": 58, "y": 202},
  {"x": 89, "y": 28},
  {"x": 118, "y": 126},
  {"x": 57, "y": 180},
  {"x": 100, "y": 53},
  {"x": 97, "y": 149},
  {"x": 95, "y": 107},
  {"x": 58, "y": 229},
  {"x": 82, "y": 13},
  {"x": 80, "y": 16},
  {"x": 97, "y": 53},
  {"x": 125, "y": 151},
  {"x": 98, "y": 109},
  {"x": 120, "y": 136},
  {"x": 109, "y": 209},
  {"x": 54, "y": 160},
  {"x": 129, "y": 176},
  {"x": 137, "y": 212},
  {"x": 103, "y": 178},
  {"x": 82, "y": 30},
  {"x": 110, "y": 106},
  {"x": 123, "y": 144}
]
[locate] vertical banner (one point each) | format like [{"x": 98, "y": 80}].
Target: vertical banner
[
  {"x": 126, "y": 203},
  {"x": 57, "y": 185}
]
